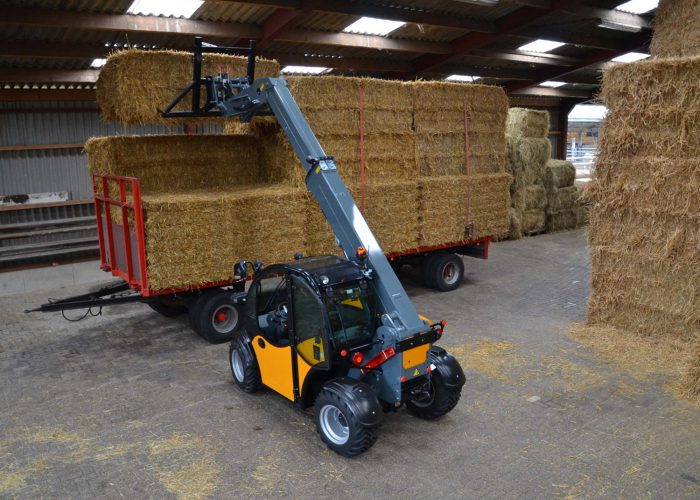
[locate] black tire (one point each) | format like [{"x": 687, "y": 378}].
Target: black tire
[
  {"x": 442, "y": 400},
  {"x": 427, "y": 271},
  {"x": 349, "y": 437},
  {"x": 447, "y": 272},
  {"x": 214, "y": 317},
  {"x": 166, "y": 306},
  {"x": 244, "y": 366}
]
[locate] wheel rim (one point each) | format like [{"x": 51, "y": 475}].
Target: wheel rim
[
  {"x": 224, "y": 319},
  {"x": 450, "y": 273},
  {"x": 424, "y": 403},
  {"x": 237, "y": 365},
  {"x": 334, "y": 425}
]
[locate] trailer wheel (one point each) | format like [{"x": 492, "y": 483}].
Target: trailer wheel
[
  {"x": 244, "y": 366},
  {"x": 427, "y": 271},
  {"x": 446, "y": 272},
  {"x": 166, "y": 306},
  {"x": 214, "y": 317}
]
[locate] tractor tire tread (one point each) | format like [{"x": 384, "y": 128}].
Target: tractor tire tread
[
  {"x": 362, "y": 437},
  {"x": 445, "y": 401}
]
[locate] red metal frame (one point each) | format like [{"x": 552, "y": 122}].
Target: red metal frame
[
  {"x": 127, "y": 203},
  {"x": 103, "y": 205},
  {"x": 445, "y": 246}
]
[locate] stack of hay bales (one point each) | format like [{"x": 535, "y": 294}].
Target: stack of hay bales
[
  {"x": 645, "y": 220},
  {"x": 529, "y": 150},
  {"x": 450, "y": 171},
  {"x": 563, "y": 206},
  {"x": 210, "y": 201}
]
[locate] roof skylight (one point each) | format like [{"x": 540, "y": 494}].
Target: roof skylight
[
  {"x": 167, "y": 8},
  {"x": 98, "y": 63},
  {"x": 541, "y": 46},
  {"x": 373, "y": 26},
  {"x": 305, "y": 70},
  {"x": 552, "y": 84},
  {"x": 638, "y": 6},
  {"x": 630, "y": 57},
  {"x": 462, "y": 78}
]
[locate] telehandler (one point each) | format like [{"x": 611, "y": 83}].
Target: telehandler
[{"x": 340, "y": 334}]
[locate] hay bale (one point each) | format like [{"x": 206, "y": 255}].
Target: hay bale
[
  {"x": 530, "y": 197},
  {"x": 523, "y": 122},
  {"x": 468, "y": 135},
  {"x": 172, "y": 163},
  {"x": 676, "y": 29},
  {"x": 390, "y": 212},
  {"x": 515, "y": 230},
  {"x": 134, "y": 84},
  {"x": 532, "y": 221},
  {"x": 450, "y": 205},
  {"x": 621, "y": 279},
  {"x": 562, "y": 220},
  {"x": 195, "y": 237},
  {"x": 563, "y": 199},
  {"x": 559, "y": 174}
]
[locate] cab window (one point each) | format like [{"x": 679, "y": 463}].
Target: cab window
[
  {"x": 268, "y": 308},
  {"x": 309, "y": 324},
  {"x": 351, "y": 314}
]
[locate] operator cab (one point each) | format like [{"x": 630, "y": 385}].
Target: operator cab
[{"x": 319, "y": 305}]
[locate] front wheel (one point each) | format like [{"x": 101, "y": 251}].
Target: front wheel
[
  {"x": 244, "y": 366},
  {"x": 437, "y": 401},
  {"x": 347, "y": 420}
]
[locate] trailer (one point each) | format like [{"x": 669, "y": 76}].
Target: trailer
[{"x": 213, "y": 308}]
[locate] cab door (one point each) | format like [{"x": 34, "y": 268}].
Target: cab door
[
  {"x": 271, "y": 344},
  {"x": 310, "y": 330}
]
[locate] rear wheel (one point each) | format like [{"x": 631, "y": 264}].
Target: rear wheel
[
  {"x": 214, "y": 317},
  {"x": 447, "y": 272},
  {"x": 437, "y": 401},
  {"x": 166, "y": 306},
  {"x": 340, "y": 427}
]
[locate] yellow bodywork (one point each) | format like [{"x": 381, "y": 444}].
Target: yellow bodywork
[
  {"x": 275, "y": 366},
  {"x": 416, "y": 356}
]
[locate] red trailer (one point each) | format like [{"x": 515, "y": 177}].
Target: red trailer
[{"x": 213, "y": 307}]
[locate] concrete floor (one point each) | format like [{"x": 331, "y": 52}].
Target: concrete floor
[{"x": 133, "y": 404}]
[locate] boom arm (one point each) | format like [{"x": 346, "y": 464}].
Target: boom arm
[{"x": 245, "y": 98}]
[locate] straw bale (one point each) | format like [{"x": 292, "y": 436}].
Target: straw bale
[
  {"x": 654, "y": 91},
  {"x": 515, "y": 230},
  {"x": 195, "y": 237},
  {"x": 134, "y": 84},
  {"x": 387, "y": 156},
  {"x": 444, "y": 113},
  {"x": 659, "y": 185},
  {"x": 676, "y": 29},
  {"x": 660, "y": 236},
  {"x": 169, "y": 163},
  {"x": 563, "y": 199},
  {"x": 621, "y": 279},
  {"x": 529, "y": 198},
  {"x": 559, "y": 174},
  {"x": 449, "y": 204},
  {"x": 489, "y": 203},
  {"x": 318, "y": 235},
  {"x": 562, "y": 220},
  {"x": 523, "y": 122},
  {"x": 390, "y": 210},
  {"x": 531, "y": 154},
  {"x": 532, "y": 221}
]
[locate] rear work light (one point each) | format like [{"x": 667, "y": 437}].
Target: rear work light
[{"x": 380, "y": 358}]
